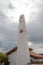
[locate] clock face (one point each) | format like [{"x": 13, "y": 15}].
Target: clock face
[{"x": 21, "y": 31}]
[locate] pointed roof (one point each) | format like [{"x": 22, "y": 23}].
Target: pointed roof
[
  {"x": 11, "y": 51},
  {"x": 32, "y": 54},
  {"x": 36, "y": 55}
]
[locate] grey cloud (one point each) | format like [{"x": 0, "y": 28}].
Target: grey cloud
[
  {"x": 35, "y": 27},
  {"x": 35, "y": 31},
  {"x": 4, "y": 4},
  {"x": 8, "y": 31},
  {"x": 11, "y": 6}
]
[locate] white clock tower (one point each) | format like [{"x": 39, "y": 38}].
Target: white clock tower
[{"x": 23, "y": 55}]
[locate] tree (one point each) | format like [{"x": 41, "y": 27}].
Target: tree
[{"x": 3, "y": 58}]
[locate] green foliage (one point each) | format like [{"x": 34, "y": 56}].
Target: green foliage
[{"x": 3, "y": 57}]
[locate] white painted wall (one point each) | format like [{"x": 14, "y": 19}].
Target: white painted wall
[{"x": 23, "y": 55}]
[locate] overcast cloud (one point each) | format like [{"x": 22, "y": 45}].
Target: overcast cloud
[{"x": 9, "y": 28}]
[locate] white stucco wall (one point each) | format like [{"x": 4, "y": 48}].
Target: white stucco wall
[
  {"x": 23, "y": 55},
  {"x": 12, "y": 58}
]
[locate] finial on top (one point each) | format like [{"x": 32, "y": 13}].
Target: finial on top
[{"x": 22, "y": 18}]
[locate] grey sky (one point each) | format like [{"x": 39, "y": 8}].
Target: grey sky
[{"x": 9, "y": 28}]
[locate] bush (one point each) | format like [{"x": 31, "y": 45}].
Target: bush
[{"x": 3, "y": 58}]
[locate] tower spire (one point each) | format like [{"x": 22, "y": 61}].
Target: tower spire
[{"x": 23, "y": 56}]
